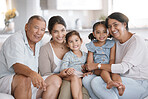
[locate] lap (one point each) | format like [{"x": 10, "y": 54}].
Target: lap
[{"x": 132, "y": 86}]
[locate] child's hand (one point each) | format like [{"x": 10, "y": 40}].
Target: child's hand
[
  {"x": 70, "y": 71},
  {"x": 63, "y": 73},
  {"x": 83, "y": 68},
  {"x": 88, "y": 73}
]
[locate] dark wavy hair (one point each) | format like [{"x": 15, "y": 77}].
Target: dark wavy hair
[
  {"x": 119, "y": 17},
  {"x": 55, "y": 20}
]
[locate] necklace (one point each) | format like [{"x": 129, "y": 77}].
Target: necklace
[{"x": 58, "y": 46}]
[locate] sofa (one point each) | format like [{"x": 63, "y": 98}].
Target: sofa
[{"x": 46, "y": 38}]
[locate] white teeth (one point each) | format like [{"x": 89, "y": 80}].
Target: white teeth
[
  {"x": 115, "y": 32},
  {"x": 60, "y": 38}
]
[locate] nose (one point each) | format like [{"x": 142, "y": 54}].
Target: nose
[
  {"x": 112, "y": 28},
  {"x": 60, "y": 34}
]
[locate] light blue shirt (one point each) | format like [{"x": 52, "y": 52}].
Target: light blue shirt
[
  {"x": 70, "y": 60},
  {"x": 101, "y": 54},
  {"x": 17, "y": 50}
]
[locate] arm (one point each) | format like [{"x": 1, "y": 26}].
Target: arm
[
  {"x": 45, "y": 60},
  {"x": 36, "y": 79},
  {"x": 105, "y": 74},
  {"x": 91, "y": 60}
]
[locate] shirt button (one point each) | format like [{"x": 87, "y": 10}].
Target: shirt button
[
  {"x": 101, "y": 48},
  {"x": 102, "y": 52},
  {"x": 103, "y": 60}
]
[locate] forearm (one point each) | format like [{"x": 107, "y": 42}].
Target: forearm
[
  {"x": 22, "y": 69},
  {"x": 106, "y": 67}
]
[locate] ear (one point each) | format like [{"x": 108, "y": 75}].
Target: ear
[
  {"x": 26, "y": 27},
  {"x": 124, "y": 25},
  {"x": 94, "y": 34}
]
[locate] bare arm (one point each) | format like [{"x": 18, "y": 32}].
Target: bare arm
[
  {"x": 91, "y": 60},
  {"x": 105, "y": 74},
  {"x": 37, "y": 80}
]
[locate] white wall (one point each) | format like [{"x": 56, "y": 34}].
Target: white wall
[{"x": 27, "y": 8}]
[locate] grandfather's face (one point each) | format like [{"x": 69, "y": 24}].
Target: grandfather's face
[{"x": 35, "y": 31}]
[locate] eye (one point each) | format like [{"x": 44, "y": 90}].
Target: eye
[
  {"x": 55, "y": 31},
  {"x": 115, "y": 25},
  {"x": 43, "y": 29},
  {"x": 97, "y": 32},
  {"x": 104, "y": 31},
  {"x": 63, "y": 30},
  {"x": 70, "y": 41},
  {"x": 36, "y": 27},
  {"x": 109, "y": 26}
]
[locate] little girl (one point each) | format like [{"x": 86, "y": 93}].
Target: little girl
[
  {"x": 72, "y": 61},
  {"x": 102, "y": 50}
]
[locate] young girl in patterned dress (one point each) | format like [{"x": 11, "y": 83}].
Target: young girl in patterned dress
[
  {"x": 72, "y": 61},
  {"x": 102, "y": 50}
]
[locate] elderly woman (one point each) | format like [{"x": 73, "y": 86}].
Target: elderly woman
[{"x": 131, "y": 62}]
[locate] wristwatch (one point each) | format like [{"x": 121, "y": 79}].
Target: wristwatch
[{"x": 99, "y": 66}]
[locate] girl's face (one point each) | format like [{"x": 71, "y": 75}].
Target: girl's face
[
  {"x": 74, "y": 43},
  {"x": 58, "y": 33},
  {"x": 100, "y": 33},
  {"x": 116, "y": 28}
]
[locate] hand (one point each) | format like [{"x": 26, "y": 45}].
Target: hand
[
  {"x": 70, "y": 71},
  {"x": 63, "y": 73},
  {"x": 88, "y": 73},
  {"x": 91, "y": 66},
  {"x": 83, "y": 68},
  {"x": 38, "y": 81}
]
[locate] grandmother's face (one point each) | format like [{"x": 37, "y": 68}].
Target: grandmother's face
[{"x": 116, "y": 28}]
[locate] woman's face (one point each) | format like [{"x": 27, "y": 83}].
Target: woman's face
[
  {"x": 116, "y": 28},
  {"x": 58, "y": 33}
]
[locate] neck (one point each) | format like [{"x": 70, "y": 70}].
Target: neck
[
  {"x": 126, "y": 37},
  {"x": 78, "y": 53},
  {"x": 58, "y": 45}
]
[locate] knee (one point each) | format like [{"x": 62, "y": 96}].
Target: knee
[
  {"x": 87, "y": 79},
  {"x": 73, "y": 77},
  {"x": 96, "y": 81},
  {"x": 25, "y": 81},
  {"x": 55, "y": 81},
  {"x": 21, "y": 82}
]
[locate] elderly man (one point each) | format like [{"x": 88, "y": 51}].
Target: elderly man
[{"x": 19, "y": 62}]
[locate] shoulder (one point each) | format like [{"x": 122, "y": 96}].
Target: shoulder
[
  {"x": 46, "y": 48},
  {"x": 90, "y": 46},
  {"x": 109, "y": 43}
]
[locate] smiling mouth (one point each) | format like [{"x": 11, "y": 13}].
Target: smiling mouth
[
  {"x": 76, "y": 46},
  {"x": 60, "y": 38},
  {"x": 115, "y": 32}
]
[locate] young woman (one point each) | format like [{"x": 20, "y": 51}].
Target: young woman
[{"x": 50, "y": 58}]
